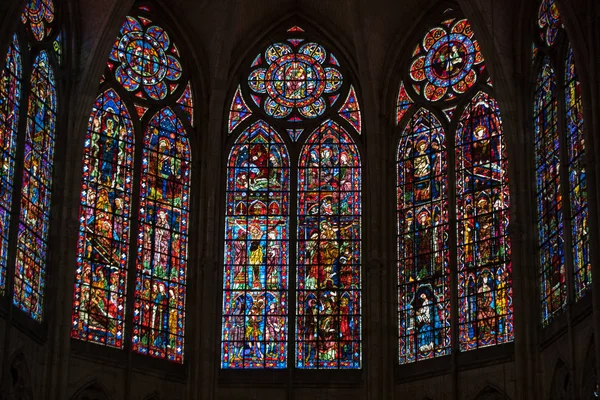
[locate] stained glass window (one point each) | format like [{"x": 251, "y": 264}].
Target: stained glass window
[
  {"x": 577, "y": 179},
  {"x": 482, "y": 202},
  {"x": 294, "y": 85},
  {"x": 296, "y": 79},
  {"x": 549, "y": 198},
  {"x": 444, "y": 197},
  {"x": 145, "y": 59},
  {"x": 549, "y": 21},
  {"x": 328, "y": 283},
  {"x": 159, "y": 304},
  {"x": 104, "y": 221},
  {"x": 146, "y": 63},
  {"x": 255, "y": 299},
  {"x": 562, "y": 205},
  {"x": 10, "y": 96},
  {"x": 32, "y": 177},
  {"x": 447, "y": 62},
  {"x": 36, "y": 188},
  {"x": 423, "y": 249},
  {"x": 403, "y": 104},
  {"x": 38, "y": 16}
]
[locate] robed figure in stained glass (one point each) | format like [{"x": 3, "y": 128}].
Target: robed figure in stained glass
[{"x": 255, "y": 280}]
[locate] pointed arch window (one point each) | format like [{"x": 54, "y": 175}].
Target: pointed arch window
[
  {"x": 452, "y": 187},
  {"x": 294, "y": 100},
  {"x": 132, "y": 254},
  {"x": 27, "y": 155},
  {"x": 564, "y": 259}
]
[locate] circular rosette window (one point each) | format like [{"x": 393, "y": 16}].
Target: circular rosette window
[
  {"x": 447, "y": 62},
  {"x": 296, "y": 79},
  {"x": 146, "y": 60}
]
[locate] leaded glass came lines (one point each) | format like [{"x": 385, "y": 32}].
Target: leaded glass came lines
[
  {"x": 159, "y": 305},
  {"x": 482, "y": 212},
  {"x": 103, "y": 246},
  {"x": 255, "y": 284},
  {"x": 36, "y": 189},
  {"x": 328, "y": 280},
  {"x": 549, "y": 199},
  {"x": 423, "y": 253},
  {"x": 10, "y": 98}
]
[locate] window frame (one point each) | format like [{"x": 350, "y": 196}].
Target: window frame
[{"x": 234, "y": 377}]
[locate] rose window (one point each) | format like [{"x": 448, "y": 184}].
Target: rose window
[
  {"x": 296, "y": 80},
  {"x": 146, "y": 59},
  {"x": 446, "y": 61}
]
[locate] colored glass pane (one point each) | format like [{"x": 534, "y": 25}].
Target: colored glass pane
[
  {"x": 350, "y": 111},
  {"x": 577, "y": 179},
  {"x": 403, "y": 104},
  {"x": 145, "y": 60},
  {"x": 159, "y": 305},
  {"x": 482, "y": 213},
  {"x": 57, "y": 46},
  {"x": 10, "y": 97},
  {"x": 548, "y": 194},
  {"x": 32, "y": 243},
  {"x": 295, "y": 133},
  {"x": 447, "y": 62},
  {"x": 103, "y": 245},
  {"x": 37, "y": 14},
  {"x": 295, "y": 79},
  {"x": 187, "y": 104},
  {"x": 239, "y": 110},
  {"x": 423, "y": 265},
  {"x": 549, "y": 21},
  {"x": 328, "y": 283},
  {"x": 255, "y": 284}
]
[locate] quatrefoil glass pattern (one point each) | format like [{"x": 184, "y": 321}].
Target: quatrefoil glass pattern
[
  {"x": 145, "y": 58},
  {"x": 296, "y": 78},
  {"x": 447, "y": 62}
]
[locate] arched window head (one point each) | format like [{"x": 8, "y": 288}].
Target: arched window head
[
  {"x": 564, "y": 250},
  {"x": 445, "y": 86},
  {"x": 295, "y": 85},
  {"x": 134, "y": 216},
  {"x": 37, "y": 42}
]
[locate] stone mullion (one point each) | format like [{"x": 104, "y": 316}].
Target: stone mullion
[
  {"x": 450, "y": 132},
  {"x": 134, "y": 225}
]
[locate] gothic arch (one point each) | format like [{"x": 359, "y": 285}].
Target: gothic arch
[
  {"x": 561, "y": 385},
  {"x": 140, "y": 149},
  {"x": 252, "y": 104},
  {"x": 433, "y": 196},
  {"x": 92, "y": 390},
  {"x": 317, "y": 24},
  {"x": 20, "y": 378},
  {"x": 490, "y": 392},
  {"x": 589, "y": 384},
  {"x": 153, "y": 396}
]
